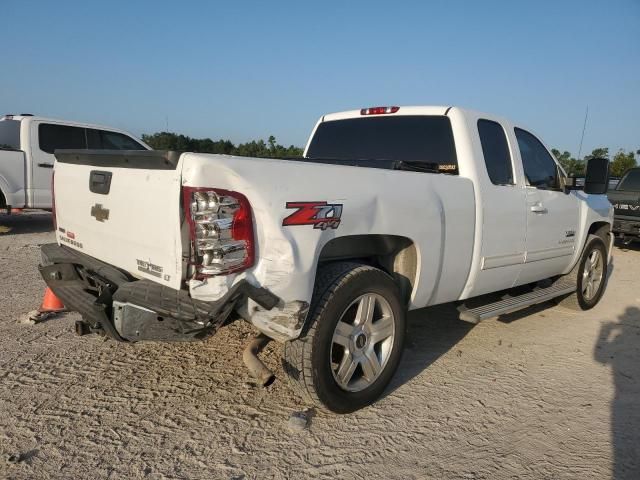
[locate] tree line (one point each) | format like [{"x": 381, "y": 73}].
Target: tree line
[
  {"x": 621, "y": 161},
  {"x": 183, "y": 143}
]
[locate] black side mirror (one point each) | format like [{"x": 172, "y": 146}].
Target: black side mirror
[{"x": 597, "y": 177}]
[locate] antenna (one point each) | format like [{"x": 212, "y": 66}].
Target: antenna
[
  {"x": 584, "y": 127},
  {"x": 166, "y": 119}
]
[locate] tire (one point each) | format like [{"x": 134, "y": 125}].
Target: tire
[
  {"x": 585, "y": 298},
  {"x": 343, "y": 361}
]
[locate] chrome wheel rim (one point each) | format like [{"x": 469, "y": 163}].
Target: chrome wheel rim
[
  {"x": 592, "y": 275},
  {"x": 362, "y": 342}
]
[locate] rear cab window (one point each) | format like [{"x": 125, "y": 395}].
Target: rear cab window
[
  {"x": 10, "y": 134},
  {"x": 495, "y": 150},
  {"x": 423, "y": 139},
  {"x": 631, "y": 181}
]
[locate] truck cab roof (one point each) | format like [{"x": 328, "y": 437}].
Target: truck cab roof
[
  {"x": 405, "y": 110},
  {"x": 35, "y": 118}
]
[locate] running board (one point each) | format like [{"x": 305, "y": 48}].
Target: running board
[{"x": 511, "y": 304}]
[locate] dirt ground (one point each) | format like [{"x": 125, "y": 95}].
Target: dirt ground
[{"x": 543, "y": 394}]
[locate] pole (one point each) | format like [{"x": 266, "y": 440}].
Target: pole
[{"x": 584, "y": 127}]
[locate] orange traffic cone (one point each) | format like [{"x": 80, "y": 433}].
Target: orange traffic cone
[
  {"x": 51, "y": 303},
  {"x": 50, "y": 306}
]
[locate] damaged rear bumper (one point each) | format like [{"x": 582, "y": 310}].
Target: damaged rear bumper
[{"x": 127, "y": 309}]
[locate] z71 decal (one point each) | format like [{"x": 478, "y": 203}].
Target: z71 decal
[{"x": 321, "y": 215}]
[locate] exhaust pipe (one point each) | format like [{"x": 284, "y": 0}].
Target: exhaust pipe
[{"x": 257, "y": 369}]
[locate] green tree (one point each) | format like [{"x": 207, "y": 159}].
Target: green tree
[
  {"x": 183, "y": 143},
  {"x": 622, "y": 161},
  {"x": 571, "y": 165},
  {"x": 600, "y": 152}
]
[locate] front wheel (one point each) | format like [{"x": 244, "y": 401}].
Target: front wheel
[
  {"x": 354, "y": 340},
  {"x": 590, "y": 276}
]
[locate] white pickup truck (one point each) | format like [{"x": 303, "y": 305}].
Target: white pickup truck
[
  {"x": 391, "y": 209},
  {"x": 27, "y": 144}
]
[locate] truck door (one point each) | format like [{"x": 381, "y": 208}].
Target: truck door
[
  {"x": 503, "y": 211},
  {"x": 552, "y": 214},
  {"x": 45, "y": 139}
]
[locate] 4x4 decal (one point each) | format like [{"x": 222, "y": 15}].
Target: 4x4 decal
[{"x": 321, "y": 215}]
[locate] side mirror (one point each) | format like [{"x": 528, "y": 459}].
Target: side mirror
[
  {"x": 569, "y": 183},
  {"x": 597, "y": 176}
]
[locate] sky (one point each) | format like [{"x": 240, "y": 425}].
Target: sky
[{"x": 246, "y": 70}]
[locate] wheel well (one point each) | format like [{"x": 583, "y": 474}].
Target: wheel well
[
  {"x": 393, "y": 254},
  {"x": 3, "y": 200},
  {"x": 602, "y": 230}
]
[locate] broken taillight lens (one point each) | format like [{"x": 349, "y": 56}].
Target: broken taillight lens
[{"x": 221, "y": 230}]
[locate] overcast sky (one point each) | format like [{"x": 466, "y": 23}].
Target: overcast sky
[{"x": 243, "y": 70}]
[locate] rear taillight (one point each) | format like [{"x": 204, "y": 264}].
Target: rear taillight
[
  {"x": 221, "y": 230},
  {"x": 53, "y": 201},
  {"x": 378, "y": 110}
]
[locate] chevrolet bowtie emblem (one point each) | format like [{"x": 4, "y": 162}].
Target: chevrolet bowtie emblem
[{"x": 101, "y": 214}]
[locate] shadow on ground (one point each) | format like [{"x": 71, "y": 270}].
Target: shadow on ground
[
  {"x": 631, "y": 246},
  {"x": 432, "y": 332},
  {"x": 27, "y": 222},
  {"x": 618, "y": 346}
]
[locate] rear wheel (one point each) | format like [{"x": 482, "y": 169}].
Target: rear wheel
[
  {"x": 354, "y": 339},
  {"x": 590, "y": 276}
]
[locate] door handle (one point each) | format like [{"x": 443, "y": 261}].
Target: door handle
[
  {"x": 538, "y": 208},
  {"x": 46, "y": 165},
  {"x": 100, "y": 182}
]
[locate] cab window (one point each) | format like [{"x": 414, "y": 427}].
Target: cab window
[
  {"x": 10, "y": 134},
  {"x": 105, "y": 140},
  {"x": 540, "y": 169},
  {"x": 495, "y": 150},
  {"x": 631, "y": 181},
  {"x": 54, "y": 137}
]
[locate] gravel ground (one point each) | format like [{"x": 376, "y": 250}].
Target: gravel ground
[{"x": 546, "y": 393}]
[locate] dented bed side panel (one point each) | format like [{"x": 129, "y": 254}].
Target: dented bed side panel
[{"x": 298, "y": 207}]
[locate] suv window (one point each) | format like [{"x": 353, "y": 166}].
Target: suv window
[
  {"x": 495, "y": 150},
  {"x": 540, "y": 169},
  {"x": 10, "y": 134},
  {"x": 105, "y": 140},
  {"x": 411, "y": 138},
  {"x": 52, "y": 137},
  {"x": 631, "y": 181}
]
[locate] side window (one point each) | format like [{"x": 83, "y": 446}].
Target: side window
[
  {"x": 52, "y": 137},
  {"x": 631, "y": 181},
  {"x": 496, "y": 152},
  {"x": 118, "y": 141},
  {"x": 105, "y": 140},
  {"x": 94, "y": 141},
  {"x": 540, "y": 169}
]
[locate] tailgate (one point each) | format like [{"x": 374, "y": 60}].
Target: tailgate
[{"x": 122, "y": 207}]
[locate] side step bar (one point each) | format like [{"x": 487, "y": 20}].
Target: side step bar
[{"x": 511, "y": 304}]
